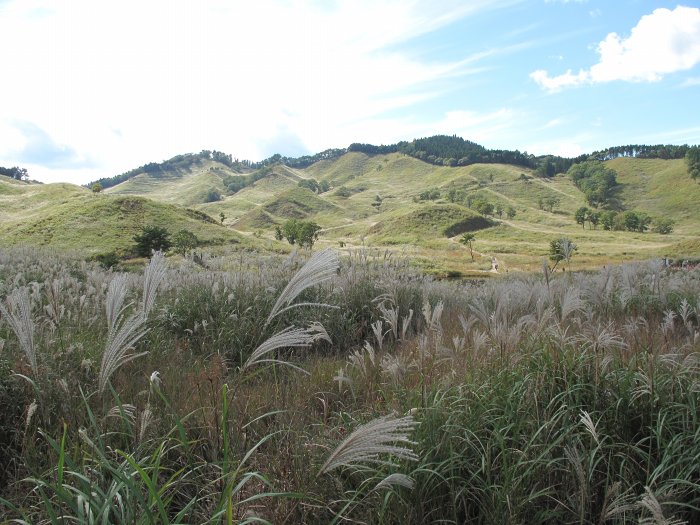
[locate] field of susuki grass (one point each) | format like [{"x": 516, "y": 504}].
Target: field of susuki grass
[{"x": 334, "y": 387}]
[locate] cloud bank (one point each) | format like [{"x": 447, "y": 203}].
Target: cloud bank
[{"x": 666, "y": 41}]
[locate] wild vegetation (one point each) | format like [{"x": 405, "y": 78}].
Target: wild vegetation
[{"x": 320, "y": 389}]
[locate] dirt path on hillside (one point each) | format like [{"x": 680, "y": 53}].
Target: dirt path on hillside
[{"x": 543, "y": 183}]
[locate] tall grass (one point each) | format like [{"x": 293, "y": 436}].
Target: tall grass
[{"x": 533, "y": 399}]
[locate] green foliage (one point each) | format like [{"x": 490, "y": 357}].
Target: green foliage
[
  {"x": 15, "y": 173},
  {"x": 561, "y": 249},
  {"x": 107, "y": 260},
  {"x": 546, "y": 168},
  {"x": 185, "y": 241},
  {"x": 581, "y": 216},
  {"x": 550, "y": 202},
  {"x": 151, "y": 238},
  {"x": 510, "y": 212},
  {"x": 483, "y": 206},
  {"x": 429, "y": 195},
  {"x": 310, "y": 184},
  {"x": 304, "y": 233},
  {"x": 343, "y": 192},
  {"x": 692, "y": 159},
  {"x": 213, "y": 195},
  {"x": 595, "y": 181},
  {"x": 467, "y": 239},
  {"x": 664, "y": 226},
  {"x": 96, "y": 187}
]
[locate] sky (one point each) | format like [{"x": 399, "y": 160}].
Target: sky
[{"x": 91, "y": 89}]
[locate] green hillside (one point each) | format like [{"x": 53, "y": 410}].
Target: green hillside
[
  {"x": 72, "y": 217},
  {"x": 378, "y": 200},
  {"x": 184, "y": 187}
]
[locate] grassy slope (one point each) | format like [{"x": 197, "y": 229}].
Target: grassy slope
[
  {"x": 71, "y": 217},
  {"x": 184, "y": 187},
  {"x": 658, "y": 187}
]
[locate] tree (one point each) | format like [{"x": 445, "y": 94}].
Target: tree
[
  {"x": 551, "y": 202},
  {"x": 692, "y": 159},
  {"x": 303, "y": 232},
  {"x": 185, "y": 241},
  {"x": 510, "y": 212},
  {"x": 594, "y": 218},
  {"x": 213, "y": 196},
  {"x": 96, "y": 187},
  {"x": 222, "y": 217},
  {"x": 561, "y": 249},
  {"x": 631, "y": 221},
  {"x": 467, "y": 239},
  {"x": 308, "y": 233},
  {"x": 581, "y": 216},
  {"x": 499, "y": 210},
  {"x": 151, "y": 238},
  {"x": 607, "y": 219},
  {"x": 664, "y": 226},
  {"x": 594, "y": 180},
  {"x": 376, "y": 204},
  {"x": 309, "y": 184},
  {"x": 484, "y": 207}
]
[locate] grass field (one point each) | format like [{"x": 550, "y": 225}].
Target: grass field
[{"x": 328, "y": 389}]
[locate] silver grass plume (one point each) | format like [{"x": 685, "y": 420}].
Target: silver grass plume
[
  {"x": 321, "y": 267},
  {"x": 152, "y": 278},
  {"x": 287, "y": 338},
  {"x": 651, "y": 504},
  {"x": 114, "y": 304},
  {"x": 19, "y": 317},
  {"x": 395, "y": 480},
  {"x": 119, "y": 341},
  {"x": 378, "y": 437},
  {"x": 124, "y": 334}
]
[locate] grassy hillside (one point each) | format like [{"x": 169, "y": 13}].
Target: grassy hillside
[
  {"x": 184, "y": 187},
  {"x": 71, "y": 217},
  {"x": 375, "y": 200}
]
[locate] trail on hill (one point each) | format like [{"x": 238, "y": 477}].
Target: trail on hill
[{"x": 543, "y": 183}]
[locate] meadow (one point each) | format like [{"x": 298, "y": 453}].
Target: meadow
[{"x": 344, "y": 386}]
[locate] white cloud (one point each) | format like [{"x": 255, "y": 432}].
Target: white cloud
[
  {"x": 663, "y": 42},
  {"x": 132, "y": 82}
]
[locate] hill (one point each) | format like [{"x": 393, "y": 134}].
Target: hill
[
  {"x": 71, "y": 217},
  {"x": 397, "y": 200}
]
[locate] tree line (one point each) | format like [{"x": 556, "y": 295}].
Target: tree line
[
  {"x": 439, "y": 150},
  {"x": 15, "y": 173}
]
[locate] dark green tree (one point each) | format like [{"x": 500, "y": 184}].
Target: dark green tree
[
  {"x": 510, "y": 212},
  {"x": 151, "y": 238},
  {"x": 692, "y": 159},
  {"x": 96, "y": 187}
]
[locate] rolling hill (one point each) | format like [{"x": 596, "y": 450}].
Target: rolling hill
[
  {"x": 370, "y": 196},
  {"x": 71, "y": 217},
  {"x": 350, "y": 214}
]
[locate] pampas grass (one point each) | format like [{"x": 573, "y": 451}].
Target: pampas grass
[
  {"x": 321, "y": 267},
  {"x": 18, "y": 315},
  {"x": 372, "y": 440}
]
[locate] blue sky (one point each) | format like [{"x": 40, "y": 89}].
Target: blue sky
[{"x": 92, "y": 89}]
